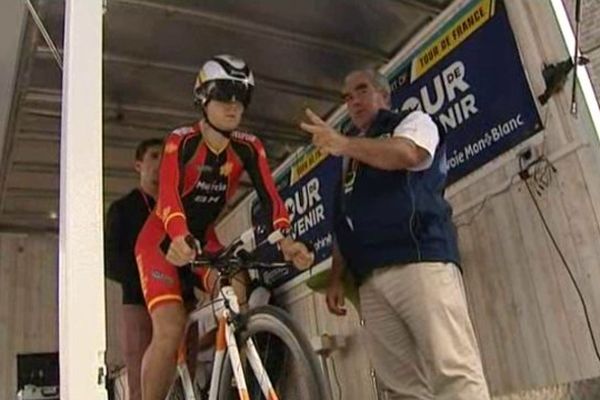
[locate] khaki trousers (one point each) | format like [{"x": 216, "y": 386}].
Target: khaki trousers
[{"x": 419, "y": 334}]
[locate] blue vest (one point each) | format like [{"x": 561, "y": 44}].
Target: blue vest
[{"x": 394, "y": 217}]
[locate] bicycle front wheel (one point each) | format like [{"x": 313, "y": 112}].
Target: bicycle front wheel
[{"x": 285, "y": 353}]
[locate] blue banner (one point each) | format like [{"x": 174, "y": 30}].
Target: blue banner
[
  {"x": 308, "y": 189},
  {"x": 471, "y": 79}
]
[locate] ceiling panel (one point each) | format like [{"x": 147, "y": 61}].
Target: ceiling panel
[{"x": 299, "y": 51}]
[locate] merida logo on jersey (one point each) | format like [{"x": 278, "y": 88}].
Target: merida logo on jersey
[{"x": 211, "y": 187}]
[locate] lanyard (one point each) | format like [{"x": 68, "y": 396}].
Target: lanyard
[{"x": 146, "y": 200}]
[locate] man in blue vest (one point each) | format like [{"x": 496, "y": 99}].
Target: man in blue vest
[{"x": 395, "y": 234}]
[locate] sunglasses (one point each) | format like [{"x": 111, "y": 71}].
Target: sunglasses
[{"x": 226, "y": 91}]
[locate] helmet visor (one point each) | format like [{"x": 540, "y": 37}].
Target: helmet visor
[{"x": 226, "y": 91}]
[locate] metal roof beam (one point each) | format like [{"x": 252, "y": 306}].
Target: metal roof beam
[
  {"x": 267, "y": 129},
  {"x": 293, "y": 88},
  {"x": 53, "y": 168},
  {"x": 254, "y": 28},
  {"x": 429, "y": 7}
]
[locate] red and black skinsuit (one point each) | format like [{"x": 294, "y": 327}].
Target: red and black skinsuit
[{"x": 195, "y": 183}]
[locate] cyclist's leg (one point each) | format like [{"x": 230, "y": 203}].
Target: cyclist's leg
[
  {"x": 207, "y": 326},
  {"x": 162, "y": 291},
  {"x": 239, "y": 282},
  {"x": 209, "y": 282},
  {"x": 160, "y": 360}
]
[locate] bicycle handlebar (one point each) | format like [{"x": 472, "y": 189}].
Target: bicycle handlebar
[{"x": 239, "y": 255}]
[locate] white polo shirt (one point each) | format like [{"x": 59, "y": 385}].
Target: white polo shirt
[{"x": 419, "y": 128}]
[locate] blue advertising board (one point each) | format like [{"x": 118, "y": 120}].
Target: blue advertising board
[
  {"x": 308, "y": 189},
  {"x": 469, "y": 76}
]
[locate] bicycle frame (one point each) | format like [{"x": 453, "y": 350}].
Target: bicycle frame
[{"x": 225, "y": 342}]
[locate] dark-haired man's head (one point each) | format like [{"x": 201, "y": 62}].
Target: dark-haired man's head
[{"x": 147, "y": 160}]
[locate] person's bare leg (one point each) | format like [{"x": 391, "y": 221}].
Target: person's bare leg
[
  {"x": 137, "y": 333},
  {"x": 240, "y": 283},
  {"x": 160, "y": 360}
]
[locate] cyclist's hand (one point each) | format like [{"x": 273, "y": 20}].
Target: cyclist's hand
[
  {"x": 297, "y": 253},
  {"x": 335, "y": 297},
  {"x": 180, "y": 253}
]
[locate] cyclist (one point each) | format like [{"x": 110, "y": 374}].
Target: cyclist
[{"x": 200, "y": 170}]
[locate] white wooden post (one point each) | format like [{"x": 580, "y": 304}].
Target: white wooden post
[{"x": 82, "y": 331}]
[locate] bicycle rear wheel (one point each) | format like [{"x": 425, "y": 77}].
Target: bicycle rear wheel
[{"x": 285, "y": 353}]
